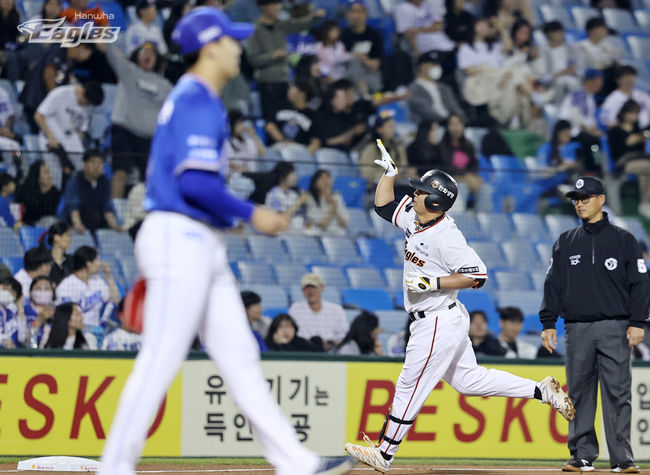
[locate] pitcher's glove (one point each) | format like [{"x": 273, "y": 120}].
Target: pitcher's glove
[
  {"x": 386, "y": 162},
  {"x": 422, "y": 283}
]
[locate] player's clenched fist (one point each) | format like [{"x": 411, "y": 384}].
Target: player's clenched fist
[
  {"x": 268, "y": 221},
  {"x": 421, "y": 283},
  {"x": 386, "y": 162}
]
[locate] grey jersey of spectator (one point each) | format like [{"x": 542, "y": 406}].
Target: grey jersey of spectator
[
  {"x": 266, "y": 40},
  {"x": 140, "y": 94},
  {"x": 421, "y": 103}
]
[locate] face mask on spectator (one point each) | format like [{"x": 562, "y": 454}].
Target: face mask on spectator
[
  {"x": 42, "y": 297},
  {"x": 6, "y": 298},
  {"x": 435, "y": 72}
]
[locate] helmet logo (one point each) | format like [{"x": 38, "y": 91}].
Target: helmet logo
[{"x": 435, "y": 184}]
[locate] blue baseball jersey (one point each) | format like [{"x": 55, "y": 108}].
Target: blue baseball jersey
[{"x": 191, "y": 134}]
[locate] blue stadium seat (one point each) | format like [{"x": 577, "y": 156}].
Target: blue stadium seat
[
  {"x": 340, "y": 250},
  {"x": 520, "y": 254},
  {"x": 30, "y": 8},
  {"x": 530, "y": 227},
  {"x": 330, "y": 6},
  {"x": 377, "y": 252},
  {"x": 398, "y": 245},
  {"x": 302, "y": 160},
  {"x": 129, "y": 270},
  {"x": 639, "y": 46},
  {"x": 468, "y": 225},
  {"x": 359, "y": 224},
  {"x": 266, "y": 248},
  {"x": 365, "y": 278},
  {"x": 480, "y": 300},
  {"x": 369, "y": 299},
  {"x": 398, "y": 297},
  {"x": 643, "y": 19},
  {"x": 304, "y": 248},
  {"x": 29, "y": 235},
  {"x": 475, "y": 135},
  {"x": 115, "y": 11},
  {"x": 273, "y": 296},
  {"x": 495, "y": 226},
  {"x": 116, "y": 269},
  {"x": 336, "y": 162},
  {"x": 558, "y": 223},
  {"x": 399, "y": 109},
  {"x": 121, "y": 206},
  {"x": 582, "y": 14},
  {"x": 633, "y": 225},
  {"x": 112, "y": 242},
  {"x": 394, "y": 277},
  {"x": 9, "y": 244},
  {"x": 513, "y": 282},
  {"x": 79, "y": 240},
  {"x": 544, "y": 251},
  {"x": 556, "y": 13},
  {"x": 236, "y": 247},
  {"x": 528, "y": 301},
  {"x": 385, "y": 26},
  {"x": 330, "y": 294},
  {"x": 14, "y": 263},
  {"x": 538, "y": 278},
  {"x": 352, "y": 189},
  {"x": 30, "y": 142},
  {"x": 384, "y": 228},
  {"x": 393, "y": 321},
  {"x": 532, "y": 325},
  {"x": 332, "y": 276},
  {"x": 620, "y": 20},
  {"x": 255, "y": 273},
  {"x": 490, "y": 253},
  {"x": 288, "y": 273}
]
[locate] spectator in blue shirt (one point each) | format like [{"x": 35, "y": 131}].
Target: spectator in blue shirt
[
  {"x": 7, "y": 189},
  {"x": 87, "y": 199}
]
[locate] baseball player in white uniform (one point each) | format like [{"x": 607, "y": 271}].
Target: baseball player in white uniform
[
  {"x": 181, "y": 254},
  {"x": 437, "y": 264}
]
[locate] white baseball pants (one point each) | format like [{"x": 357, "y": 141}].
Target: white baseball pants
[
  {"x": 191, "y": 289},
  {"x": 440, "y": 348}
]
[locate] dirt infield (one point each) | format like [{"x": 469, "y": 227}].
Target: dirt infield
[{"x": 360, "y": 470}]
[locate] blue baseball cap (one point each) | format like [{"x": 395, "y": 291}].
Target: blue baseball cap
[
  {"x": 592, "y": 73},
  {"x": 204, "y": 25},
  {"x": 357, "y": 2}
]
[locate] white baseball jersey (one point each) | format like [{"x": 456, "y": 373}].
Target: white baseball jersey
[
  {"x": 89, "y": 296},
  {"x": 436, "y": 250}
]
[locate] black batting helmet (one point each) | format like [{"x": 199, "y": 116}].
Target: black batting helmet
[{"x": 441, "y": 188}]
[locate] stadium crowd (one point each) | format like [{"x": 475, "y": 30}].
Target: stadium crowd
[{"x": 444, "y": 84}]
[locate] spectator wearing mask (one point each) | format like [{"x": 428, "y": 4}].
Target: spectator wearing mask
[
  {"x": 331, "y": 52},
  {"x": 10, "y": 301},
  {"x": 483, "y": 342},
  {"x": 431, "y": 99},
  {"x": 87, "y": 201},
  {"x": 343, "y": 123},
  {"x": 67, "y": 328},
  {"x": 362, "y": 338},
  {"x": 561, "y": 61},
  {"x": 58, "y": 240},
  {"x": 384, "y": 130},
  {"x": 326, "y": 212},
  {"x": 284, "y": 198},
  {"x": 626, "y": 81},
  {"x": 294, "y": 122},
  {"x": 627, "y": 146},
  {"x": 511, "y": 320},
  {"x": 52, "y": 69},
  {"x": 366, "y": 46},
  {"x": 253, "y": 305},
  {"x": 283, "y": 336},
  {"x": 141, "y": 91},
  {"x": 268, "y": 53},
  {"x": 579, "y": 109},
  {"x": 459, "y": 23},
  {"x": 421, "y": 23},
  {"x": 36, "y": 263},
  {"x": 144, "y": 29},
  {"x": 37, "y": 194},
  {"x": 7, "y": 189},
  {"x": 39, "y": 311},
  {"x": 424, "y": 152},
  {"x": 87, "y": 289},
  {"x": 64, "y": 118},
  {"x": 317, "y": 318}
]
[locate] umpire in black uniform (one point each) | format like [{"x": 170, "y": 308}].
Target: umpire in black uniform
[{"x": 597, "y": 282}]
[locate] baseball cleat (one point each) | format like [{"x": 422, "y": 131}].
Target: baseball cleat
[
  {"x": 627, "y": 467},
  {"x": 581, "y": 465},
  {"x": 335, "y": 465},
  {"x": 553, "y": 394},
  {"x": 369, "y": 455}
]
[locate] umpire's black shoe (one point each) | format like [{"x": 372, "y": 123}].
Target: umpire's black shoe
[
  {"x": 581, "y": 465},
  {"x": 627, "y": 467}
]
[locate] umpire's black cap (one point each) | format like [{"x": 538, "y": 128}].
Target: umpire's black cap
[{"x": 586, "y": 186}]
